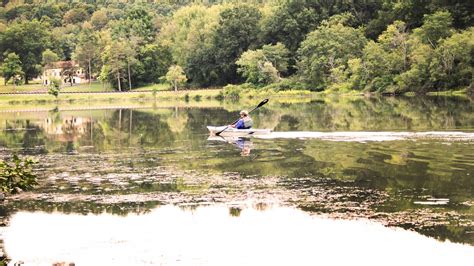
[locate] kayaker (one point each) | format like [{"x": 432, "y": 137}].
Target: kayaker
[{"x": 245, "y": 122}]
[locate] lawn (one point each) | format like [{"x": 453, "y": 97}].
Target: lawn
[
  {"x": 10, "y": 88},
  {"x": 68, "y": 99},
  {"x": 86, "y": 87},
  {"x": 36, "y": 86}
]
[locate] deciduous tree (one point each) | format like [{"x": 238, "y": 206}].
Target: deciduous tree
[
  {"x": 175, "y": 76},
  {"x": 28, "y": 40},
  {"x": 11, "y": 68}
]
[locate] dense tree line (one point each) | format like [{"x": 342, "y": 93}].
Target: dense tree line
[{"x": 370, "y": 45}]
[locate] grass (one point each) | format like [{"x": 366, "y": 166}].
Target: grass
[
  {"x": 10, "y": 88},
  {"x": 96, "y": 86},
  {"x": 31, "y": 101},
  {"x": 93, "y": 87},
  {"x": 157, "y": 87}
]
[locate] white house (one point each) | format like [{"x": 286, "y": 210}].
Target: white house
[{"x": 68, "y": 72}]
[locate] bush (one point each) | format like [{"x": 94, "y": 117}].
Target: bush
[
  {"x": 17, "y": 175},
  {"x": 197, "y": 98},
  {"x": 236, "y": 91}
]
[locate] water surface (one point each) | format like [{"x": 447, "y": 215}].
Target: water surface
[
  {"x": 221, "y": 235},
  {"x": 398, "y": 164}
]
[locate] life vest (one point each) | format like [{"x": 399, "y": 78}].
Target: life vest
[{"x": 248, "y": 123}]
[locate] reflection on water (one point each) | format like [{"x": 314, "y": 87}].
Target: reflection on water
[
  {"x": 220, "y": 235},
  {"x": 401, "y": 162},
  {"x": 244, "y": 144}
]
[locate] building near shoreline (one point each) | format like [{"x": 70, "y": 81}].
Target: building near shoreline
[{"x": 69, "y": 72}]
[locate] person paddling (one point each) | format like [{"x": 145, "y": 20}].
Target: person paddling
[{"x": 245, "y": 122}]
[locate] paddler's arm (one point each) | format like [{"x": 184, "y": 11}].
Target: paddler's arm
[{"x": 239, "y": 124}]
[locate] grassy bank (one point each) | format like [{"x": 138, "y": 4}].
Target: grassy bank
[
  {"x": 98, "y": 99},
  {"x": 147, "y": 99},
  {"x": 37, "y": 86}
]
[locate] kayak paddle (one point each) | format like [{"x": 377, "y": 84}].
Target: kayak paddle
[{"x": 258, "y": 106}]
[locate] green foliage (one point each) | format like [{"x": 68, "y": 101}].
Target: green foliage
[
  {"x": 17, "y": 175},
  {"x": 330, "y": 46},
  {"x": 27, "y": 39},
  {"x": 290, "y": 23},
  {"x": 11, "y": 69},
  {"x": 190, "y": 28},
  {"x": 212, "y": 61},
  {"x": 49, "y": 58},
  {"x": 426, "y": 60},
  {"x": 137, "y": 25},
  {"x": 99, "y": 19},
  {"x": 235, "y": 91},
  {"x": 76, "y": 15},
  {"x": 435, "y": 27},
  {"x": 54, "y": 87},
  {"x": 114, "y": 64},
  {"x": 278, "y": 55},
  {"x": 254, "y": 66},
  {"x": 451, "y": 66},
  {"x": 175, "y": 76},
  {"x": 152, "y": 63},
  {"x": 87, "y": 51},
  {"x": 320, "y": 43},
  {"x": 236, "y": 32}
]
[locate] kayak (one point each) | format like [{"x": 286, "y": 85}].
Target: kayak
[{"x": 233, "y": 132}]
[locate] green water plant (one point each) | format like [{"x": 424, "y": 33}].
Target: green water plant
[{"x": 16, "y": 174}]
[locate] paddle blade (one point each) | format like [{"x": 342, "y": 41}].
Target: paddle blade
[{"x": 262, "y": 103}]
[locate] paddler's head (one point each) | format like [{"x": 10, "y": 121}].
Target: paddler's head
[{"x": 244, "y": 113}]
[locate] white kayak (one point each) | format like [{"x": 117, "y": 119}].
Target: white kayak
[{"x": 232, "y": 132}]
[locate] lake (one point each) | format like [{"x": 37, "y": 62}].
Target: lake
[{"x": 370, "y": 178}]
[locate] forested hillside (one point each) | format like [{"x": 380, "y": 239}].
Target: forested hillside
[{"x": 371, "y": 45}]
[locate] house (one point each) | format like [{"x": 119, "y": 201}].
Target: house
[{"x": 69, "y": 72}]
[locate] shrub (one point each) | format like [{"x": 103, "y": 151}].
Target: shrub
[{"x": 17, "y": 175}]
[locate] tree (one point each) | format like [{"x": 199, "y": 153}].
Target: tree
[
  {"x": 54, "y": 87},
  {"x": 417, "y": 77},
  {"x": 87, "y": 50},
  {"x": 394, "y": 40},
  {"x": 11, "y": 68},
  {"x": 190, "y": 28},
  {"x": 50, "y": 13},
  {"x": 290, "y": 23},
  {"x": 137, "y": 25},
  {"x": 372, "y": 71},
  {"x": 436, "y": 27},
  {"x": 237, "y": 31},
  {"x": 330, "y": 46},
  {"x": 175, "y": 76},
  {"x": 452, "y": 63},
  {"x": 99, "y": 19},
  {"x": 114, "y": 63},
  {"x": 27, "y": 39},
  {"x": 64, "y": 40},
  {"x": 251, "y": 66},
  {"x": 76, "y": 15},
  {"x": 278, "y": 55},
  {"x": 49, "y": 58},
  {"x": 262, "y": 66},
  {"x": 130, "y": 54},
  {"x": 153, "y": 61},
  {"x": 68, "y": 71}
]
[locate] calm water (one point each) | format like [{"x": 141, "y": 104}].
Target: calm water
[{"x": 342, "y": 174}]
